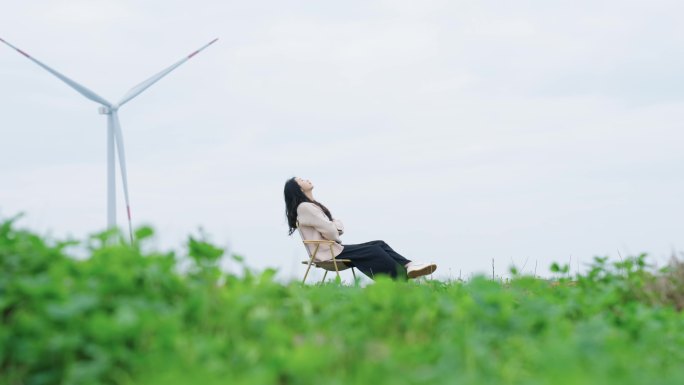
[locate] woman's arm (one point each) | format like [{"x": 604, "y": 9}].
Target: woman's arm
[
  {"x": 308, "y": 214},
  {"x": 339, "y": 226}
]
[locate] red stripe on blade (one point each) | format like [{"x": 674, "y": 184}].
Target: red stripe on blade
[
  {"x": 23, "y": 53},
  {"x": 193, "y": 54},
  {"x": 129, "y": 212}
]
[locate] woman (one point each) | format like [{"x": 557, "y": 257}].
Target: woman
[{"x": 316, "y": 223}]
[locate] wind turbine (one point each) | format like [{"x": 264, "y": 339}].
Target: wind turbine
[{"x": 114, "y": 134}]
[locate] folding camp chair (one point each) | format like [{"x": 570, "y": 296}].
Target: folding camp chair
[{"x": 333, "y": 264}]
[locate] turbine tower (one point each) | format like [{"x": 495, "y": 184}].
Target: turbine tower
[{"x": 115, "y": 144}]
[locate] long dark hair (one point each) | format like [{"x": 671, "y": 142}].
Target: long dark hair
[{"x": 293, "y": 197}]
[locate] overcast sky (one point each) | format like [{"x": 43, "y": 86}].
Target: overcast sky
[{"x": 457, "y": 131}]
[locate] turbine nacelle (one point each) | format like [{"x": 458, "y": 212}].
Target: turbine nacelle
[{"x": 105, "y": 110}]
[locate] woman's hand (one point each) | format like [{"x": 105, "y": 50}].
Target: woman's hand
[{"x": 339, "y": 226}]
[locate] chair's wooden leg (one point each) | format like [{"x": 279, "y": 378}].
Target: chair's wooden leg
[
  {"x": 307, "y": 272},
  {"x": 324, "y": 275},
  {"x": 354, "y": 274},
  {"x": 335, "y": 262},
  {"x": 308, "y": 267},
  {"x": 336, "y": 269}
]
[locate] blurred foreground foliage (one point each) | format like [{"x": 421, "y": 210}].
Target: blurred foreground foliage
[{"x": 124, "y": 315}]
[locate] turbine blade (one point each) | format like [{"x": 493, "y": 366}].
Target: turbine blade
[
  {"x": 135, "y": 91},
  {"x": 79, "y": 88},
  {"x": 122, "y": 164}
]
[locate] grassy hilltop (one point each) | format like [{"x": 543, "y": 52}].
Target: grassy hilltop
[{"x": 125, "y": 315}]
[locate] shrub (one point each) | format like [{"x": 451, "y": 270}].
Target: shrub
[{"x": 125, "y": 315}]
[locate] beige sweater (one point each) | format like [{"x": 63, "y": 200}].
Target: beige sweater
[{"x": 314, "y": 225}]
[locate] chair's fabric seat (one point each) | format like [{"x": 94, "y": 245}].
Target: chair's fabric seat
[{"x": 342, "y": 264}]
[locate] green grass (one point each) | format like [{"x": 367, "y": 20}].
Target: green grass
[{"x": 128, "y": 316}]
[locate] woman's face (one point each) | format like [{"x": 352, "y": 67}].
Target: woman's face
[{"x": 304, "y": 184}]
